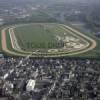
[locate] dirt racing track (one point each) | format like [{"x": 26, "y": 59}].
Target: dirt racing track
[{"x": 17, "y": 51}]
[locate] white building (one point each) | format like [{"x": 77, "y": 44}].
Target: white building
[
  {"x": 5, "y": 76},
  {"x": 30, "y": 85}
]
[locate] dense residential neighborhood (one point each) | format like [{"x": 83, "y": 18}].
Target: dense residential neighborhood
[
  {"x": 49, "y": 49},
  {"x": 50, "y": 79}
]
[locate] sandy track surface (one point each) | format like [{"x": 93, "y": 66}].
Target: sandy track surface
[
  {"x": 4, "y": 44},
  {"x": 93, "y": 44},
  {"x": 16, "y": 46}
]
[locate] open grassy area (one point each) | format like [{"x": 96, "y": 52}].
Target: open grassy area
[
  {"x": 43, "y": 40},
  {"x": 40, "y": 36},
  {"x": 9, "y": 45},
  {"x": 95, "y": 53}
]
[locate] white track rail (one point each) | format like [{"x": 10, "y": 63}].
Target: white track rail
[
  {"x": 16, "y": 46},
  {"x": 14, "y": 41}
]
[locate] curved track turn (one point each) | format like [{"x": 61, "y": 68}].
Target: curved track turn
[{"x": 92, "y": 44}]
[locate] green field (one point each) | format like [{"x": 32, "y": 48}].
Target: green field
[
  {"x": 39, "y": 36},
  {"x": 46, "y": 39},
  {"x": 95, "y": 53},
  {"x": 36, "y": 36}
]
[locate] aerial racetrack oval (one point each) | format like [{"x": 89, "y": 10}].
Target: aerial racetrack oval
[{"x": 45, "y": 40}]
